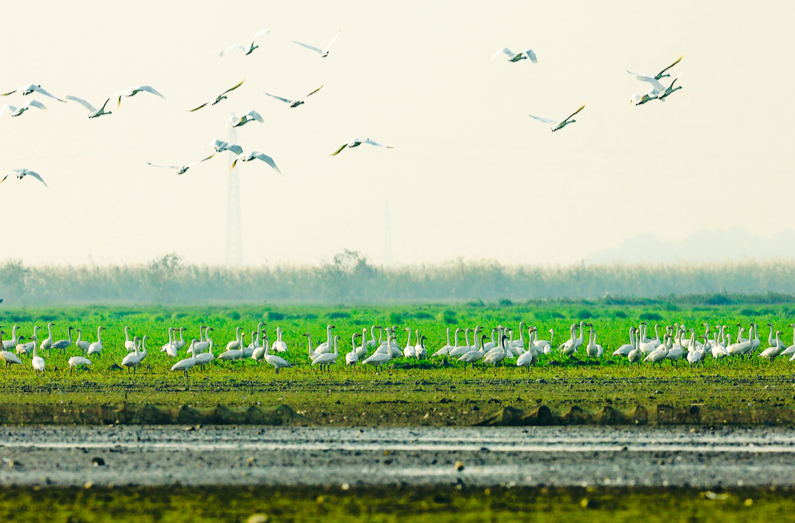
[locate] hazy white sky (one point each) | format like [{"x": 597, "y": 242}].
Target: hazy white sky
[{"x": 471, "y": 175}]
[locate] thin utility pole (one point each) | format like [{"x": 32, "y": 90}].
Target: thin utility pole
[{"x": 234, "y": 232}]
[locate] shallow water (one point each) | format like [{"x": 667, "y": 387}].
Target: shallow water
[{"x": 562, "y": 456}]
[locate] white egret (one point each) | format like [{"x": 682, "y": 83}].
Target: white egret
[
  {"x": 524, "y": 55},
  {"x": 8, "y": 357},
  {"x": 181, "y": 169},
  {"x": 773, "y": 351},
  {"x": 93, "y": 112},
  {"x": 323, "y": 52},
  {"x": 21, "y": 173},
  {"x": 32, "y": 88},
  {"x": 202, "y": 344},
  {"x": 10, "y": 344},
  {"x": 474, "y": 355},
  {"x": 279, "y": 345},
  {"x": 255, "y": 155},
  {"x": 221, "y": 146},
  {"x": 170, "y": 344},
  {"x": 326, "y": 359},
  {"x": 78, "y": 361},
  {"x": 80, "y": 343},
  {"x": 129, "y": 344},
  {"x": 446, "y": 349},
  {"x": 250, "y": 116},
  {"x": 659, "y": 75},
  {"x": 18, "y": 111},
  {"x": 247, "y": 50},
  {"x": 635, "y": 354},
  {"x": 408, "y": 350},
  {"x": 275, "y": 361},
  {"x": 185, "y": 365},
  {"x": 237, "y": 342},
  {"x": 627, "y": 347},
  {"x": 356, "y": 142},
  {"x": 37, "y": 362},
  {"x": 294, "y": 103},
  {"x": 96, "y": 347},
  {"x": 45, "y": 345},
  {"x": 217, "y": 99},
  {"x": 181, "y": 342},
  {"x": 132, "y": 91},
  {"x": 352, "y": 357},
  {"x": 206, "y": 357},
  {"x": 361, "y": 350},
  {"x": 556, "y": 125},
  {"x": 529, "y": 357},
  {"x": 233, "y": 354}
]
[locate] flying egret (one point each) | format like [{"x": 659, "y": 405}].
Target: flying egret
[
  {"x": 648, "y": 96},
  {"x": 21, "y": 173},
  {"x": 28, "y": 89},
  {"x": 356, "y": 142},
  {"x": 323, "y": 52},
  {"x": 670, "y": 89},
  {"x": 181, "y": 169},
  {"x": 17, "y": 111},
  {"x": 132, "y": 91},
  {"x": 556, "y": 125},
  {"x": 217, "y": 99},
  {"x": 524, "y": 55},
  {"x": 250, "y": 116},
  {"x": 255, "y": 155},
  {"x": 247, "y": 50},
  {"x": 221, "y": 146},
  {"x": 659, "y": 75},
  {"x": 294, "y": 103},
  {"x": 93, "y": 112}
]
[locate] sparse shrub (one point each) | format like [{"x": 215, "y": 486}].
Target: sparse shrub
[
  {"x": 275, "y": 316},
  {"x": 650, "y": 316},
  {"x": 584, "y": 314},
  {"x": 338, "y": 315},
  {"x": 749, "y": 312},
  {"x": 505, "y": 302},
  {"x": 620, "y": 314}
]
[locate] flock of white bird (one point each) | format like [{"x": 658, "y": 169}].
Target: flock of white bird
[
  {"x": 217, "y": 145},
  {"x": 656, "y": 91},
  {"x": 676, "y": 343}
]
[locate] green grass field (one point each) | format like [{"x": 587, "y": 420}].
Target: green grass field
[{"x": 417, "y": 393}]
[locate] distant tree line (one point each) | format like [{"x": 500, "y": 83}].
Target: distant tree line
[{"x": 351, "y": 279}]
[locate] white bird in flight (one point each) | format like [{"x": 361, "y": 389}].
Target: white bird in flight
[
  {"x": 255, "y": 155},
  {"x": 524, "y": 55},
  {"x": 558, "y": 124},
  {"x": 356, "y": 142},
  {"x": 221, "y": 146},
  {"x": 294, "y": 103},
  {"x": 132, "y": 91},
  {"x": 657, "y": 92},
  {"x": 247, "y": 50},
  {"x": 28, "y": 89},
  {"x": 217, "y": 99},
  {"x": 21, "y": 173},
  {"x": 323, "y": 52},
  {"x": 181, "y": 169},
  {"x": 250, "y": 116},
  {"x": 657, "y": 76},
  {"x": 93, "y": 112},
  {"x": 16, "y": 111}
]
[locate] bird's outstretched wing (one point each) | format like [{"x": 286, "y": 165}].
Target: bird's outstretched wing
[
  {"x": 260, "y": 33},
  {"x": 332, "y": 40},
  {"x": 165, "y": 166},
  {"x": 545, "y": 120},
  {"x": 232, "y": 47},
  {"x": 575, "y": 112},
  {"x": 199, "y": 107},
  {"x": 653, "y": 81},
  {"x": 149, "y": 89},
  {"x": 285, "y": 100},
  {"x": 37, "y": 104},
  {"x": 233, "y": 88},
  {"x": 532, "y": 56},
  {"x": 255, "y": 115},
  {"x": 313, "y": 92},
  {"x": 21, "y": 173},
  {"x": 267, "y": 159},
  {"x": 9, "y": 107},
  {"x": 376, "y": 143},
  {"x": 503, "y": 50},
  {"x": 335, "y": 153},
  {"x": 312, "y": 47},
  {"x": 45, "y": 93},
  {"x": 83, "y": 102},
  {"x": 659, "y": 75}
]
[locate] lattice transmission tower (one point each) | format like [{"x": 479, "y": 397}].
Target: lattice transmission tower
[{"x": 234, "y": 228}]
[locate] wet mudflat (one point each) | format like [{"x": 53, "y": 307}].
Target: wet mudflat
[{"x": 467, "y": 457}]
